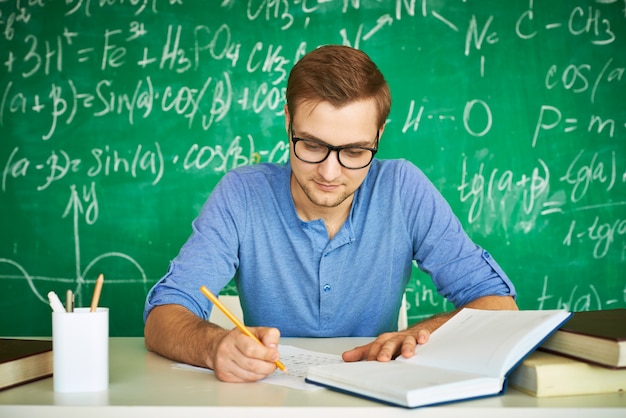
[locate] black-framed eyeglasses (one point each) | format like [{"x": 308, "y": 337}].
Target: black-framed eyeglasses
[{"x": 313, "y": 151}]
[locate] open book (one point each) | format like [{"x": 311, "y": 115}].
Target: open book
[{"x": 469, "y": 356}]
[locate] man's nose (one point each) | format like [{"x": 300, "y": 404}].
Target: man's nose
[{"x": 330, "y": 168}]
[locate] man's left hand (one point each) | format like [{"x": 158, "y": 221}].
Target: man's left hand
[{"x": 389, "y": 345}]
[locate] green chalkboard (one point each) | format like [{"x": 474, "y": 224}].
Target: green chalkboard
[{"x": 117, "y": 118}]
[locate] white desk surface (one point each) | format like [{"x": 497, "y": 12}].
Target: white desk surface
[{"x": 143, "y": 384}]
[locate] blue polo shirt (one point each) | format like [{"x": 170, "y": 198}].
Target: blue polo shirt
[{"x": 289, "y": 275}]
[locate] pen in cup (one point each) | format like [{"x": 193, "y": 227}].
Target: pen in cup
[
  {"x": 55, "y": 302},
  {"x": 69, "y": 301},
  {"x": 96, "y": 292}
]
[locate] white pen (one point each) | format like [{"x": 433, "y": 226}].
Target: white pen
[{"x": 55, "y": 302}]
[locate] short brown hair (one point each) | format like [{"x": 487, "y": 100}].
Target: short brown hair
[{"x": 339, "y": 75}]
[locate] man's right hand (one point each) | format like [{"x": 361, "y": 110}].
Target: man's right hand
[
  {"x": 238, "y": 358},
  {"x": 174, "y": 332}
]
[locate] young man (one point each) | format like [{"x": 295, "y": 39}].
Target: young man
[{"x": 322, "y": 246}]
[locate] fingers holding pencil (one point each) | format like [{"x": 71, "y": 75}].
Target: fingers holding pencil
[{"x": 216, "y": 302}]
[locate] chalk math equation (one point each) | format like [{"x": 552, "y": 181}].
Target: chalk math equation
[{"x": 516, "y": 110}]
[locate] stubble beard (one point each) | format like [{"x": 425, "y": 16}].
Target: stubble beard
[{"x": 325, "y": 201}]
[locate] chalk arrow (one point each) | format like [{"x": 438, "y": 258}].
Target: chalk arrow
[{"x": 385, "y": 19}]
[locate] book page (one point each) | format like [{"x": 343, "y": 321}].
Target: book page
[{"x": 486, "y": 342}]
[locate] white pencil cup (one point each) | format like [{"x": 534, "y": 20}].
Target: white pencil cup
[{"x": 80, "y": 350}]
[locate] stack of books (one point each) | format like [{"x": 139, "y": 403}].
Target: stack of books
[
  {"x": 587, "y": 355},
  {"x": 23, "y": 361}
]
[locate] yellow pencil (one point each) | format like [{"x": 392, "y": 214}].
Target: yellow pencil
[
  {"x": 96, "y": 293},
  {"x": 236, "y": 321}
]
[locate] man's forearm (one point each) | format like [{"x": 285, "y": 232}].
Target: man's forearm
[
  {"x": 174, "y": 332},
  {"x": 486, "y": 302},
  {"x": 505, "y": 303}
]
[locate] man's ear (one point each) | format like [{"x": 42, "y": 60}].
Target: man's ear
[
  {"x": 381, "y": 130},
  {"x": 287, "y": 119}
]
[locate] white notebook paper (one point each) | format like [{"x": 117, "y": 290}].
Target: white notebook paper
[{"x": 296, "y": 360}]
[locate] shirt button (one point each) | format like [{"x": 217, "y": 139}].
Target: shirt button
[{"x": 327, "y": 288}]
